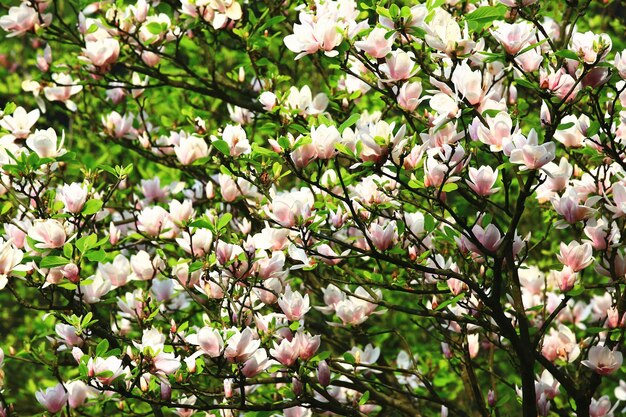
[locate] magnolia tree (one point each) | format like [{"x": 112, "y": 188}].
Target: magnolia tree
[{"x": 297, "y": 208}]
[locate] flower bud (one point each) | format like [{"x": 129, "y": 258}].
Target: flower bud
[{"x": 323, "y": 374}]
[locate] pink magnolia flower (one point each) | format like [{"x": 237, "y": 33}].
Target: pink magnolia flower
[
  {"x": 573, "y": 136},
  {"x": 286, "y": 352},
  {"x": 603, "y": 360},
  {"x": 561, "y": 344},
  {"x": 490, "y": 237},
  {"x": 78, "y": 392},
  {"x": 256, "y": 364},
  {"x": 383, "y": 237},
  {"x": 64, "y": 88},
  {"x": 619, "y": 198},
  {"x": 497, "y": 131},
  {"x": 444, "y": 34},
  {"x": 10, "y": 259},
  {"x": 560, "y": 83},
  {"x": 289, "y": 207},
  {"x": 68, "y": 335},
  {"x": 570, "y": 208},
  {"x": 313, "y": 34},
  {"x": 102, "y": 52},
  {"x": 20, "y": 122},
  {"x": 117, "y": 125},
  {"x": 530, "y": 60},
  {"x": 293, "y": 304},
  {"x": 268, "y": 100},
  {"x": 602, "y": 407},
  {"x": 190, "y": 149},
  {"x": 210, "y": 341},
  {"x": 481, "y": 180},
  {"x": 53, "y": 398},
  {"x": 399, "y": 66},
  {"x": 144, "y": 268},
  {"x": 117, "y": 272},
  {"x": 591, "y": 48},
  {"x": 22, "y": 19},
  {"x": 620, "y": 63},
  {"x": 513, "y": 36},
  {"x": 308, "y": 344},
  {"x": 45, "y": 143},
  {"x": 377, "y": 44},
  {"x": 468, "y": 83},
  {"x": 106, "y": 370},
  {"x": 324, "y": 138},
  {"x": 241, "y": 345},
  {"x": 155, "y": 221},
  {"x": 49, "y": 234},
  {"x": 236, "y": 139},
  {"x": 409, "y": 95},
  {"x": 532, "y": 155},
  {"x": 74, "y": 196},
  {"x": 565, "y": 279},
  {"x": 198, "y": 243},
  {"x": 575, "y": 255}
]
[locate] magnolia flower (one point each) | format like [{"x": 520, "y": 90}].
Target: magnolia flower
[
  {"x": 117, "y": 125},
  {"x": 236, "y": 139},
  {"x": 377, "y": 44},
  {"x": 74, "y": 196},
  {"x": 210, "y": 341},
  {"x": 497, "y": 131},
  {"x": 591, "y": 48},
  {"x": 102, "y": 52},
  {"x": 49, "y": 234},
  {"x": 532, "y": 155},
  {"x": 286, "y": 352},
  {"x": 64, "y": 88},
  {"x": 313, "y": 34},
  {"x": 575, "y": 255},
  {"x": 241, "y": 345},
  {"x": 53, "y": 398},
  {"x": 190, "y": 149},
  {"x": 106, "y": 370},
  {"x": 560, "y": 83},
  {"x": 10, "y": 259},
  {"x": 603, "y": 360},
  {"x": 324, "y": 138},
  {"x": 22, "y": 19},
  {"x": 468, "y": 83},
  {"x": 20, "y": 122},
  {"x": 289, "y": 207},
  {"x": 409, "y": 95},
  {"x": 268, "y": 100},
  {"x": 444, "y": 34},
  {"x": 561, "y": 344},
  {"x": 482, "y": 180},
  {"x": 293, "y": 304},
  {"x": 399, "y": 66},
  {"x": 513, "y": 36},
  {"x": 45, "y": 143}
]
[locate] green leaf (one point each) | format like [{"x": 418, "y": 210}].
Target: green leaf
[
  {"x": 224, "y": 220},
  {"x": 566, "y": 53},
  {"x": 102, "y": 348},
  {"x": 349, "y": 122},
  {"x": 451, "y": 186},
  {"x": 348, "y": 357},
  {"x": 364, "y": 398},
  {"x": 53, "y": 261},
  {"x": 92, "y": 207},
  {"x": 450, "y": 301},
  {"x": 221, "y": 146},
  {"x": 155, "y": 28}
]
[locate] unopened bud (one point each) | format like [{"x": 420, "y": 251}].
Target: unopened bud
[
  {"x": 298, "y": 388},
  {"x": 491, "y": 398},
  {"x": 323, "y": 374}
]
